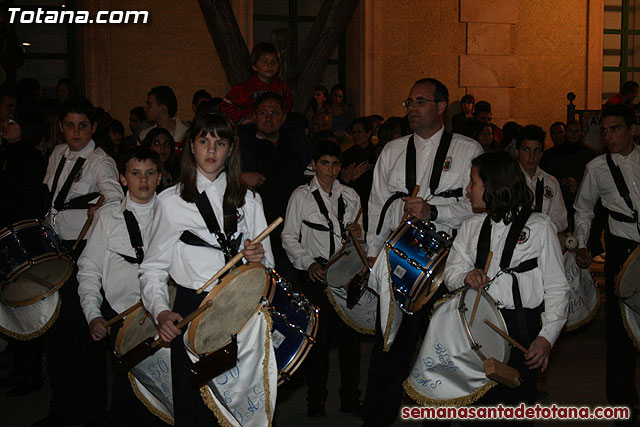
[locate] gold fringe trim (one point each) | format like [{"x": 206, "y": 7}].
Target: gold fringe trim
[
  {"x": 627, "y": 326},
  {"x": 142, "y": 398},
  {"x": 458, "y": 401},
  {"x": 265, "y": 366},
  {"x": 207, "y": 397},
  {"x": 392, "y": 299},
  {"x": 445, "y": 299},
  {"x": 36, "y": 334},
  {"x": 344, "y": 317},
  {"x": 587, "y": 319}
]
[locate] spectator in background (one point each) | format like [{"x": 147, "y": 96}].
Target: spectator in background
[
  {"x": 161, "y": 141},
  {"x": 457, "y": 121},
  {"x": 483, "y": 133},
  {"x": 510, "y": 132},
  {"x": 482, "y": 113},
  {"x": 162, "y": 106},
  {"x": 375, "y": 121},
  {"x": 115, "y": 131},
  {"x": 319, "y": 102},
  {"x": 341, "y": 112},
  {"x": 199, "y": 97},
  {"x": 359, "y": 161},
  {"x": 65, "y": 89},
  {"x": 556, "y": 132},
  {"x": 391, "y": 129},
  {"x": 627, "y": 94},
  {"x": 320, "y": 122}
]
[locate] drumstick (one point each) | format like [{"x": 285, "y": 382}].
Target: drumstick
[
  {"x": 475, "y": 304},
  {"x": 361, "y": 253},
  {"x": 507, "y": 337},
  {"x": 239, "y": 255},
  {"x": 185, "y": 321},
  {"x": 338, "y": 254},
  {"x": 127, "y": 312},
  {"x": 355, "y": 221},
  {"x": 87, "y": 224},
  {"x": 414, "y": 193}
]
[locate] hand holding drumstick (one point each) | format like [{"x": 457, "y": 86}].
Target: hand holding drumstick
[{"x": 475, "y": 304}]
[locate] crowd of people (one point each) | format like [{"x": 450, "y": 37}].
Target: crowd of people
[{"x": 181, "y": 198}]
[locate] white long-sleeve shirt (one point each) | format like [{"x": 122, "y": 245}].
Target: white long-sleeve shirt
[
  {"x": 598, "y": 183},
  {"x": 101, "y": 265},
  {"x": 99, "y": 173},
  {"x": 546, "y": 283},
  {"x": 302, "y": 243},
  {"x": 552, "y": 201},
  {"x": 389, "y": 178},
  {"x": 192, "y": 266}
]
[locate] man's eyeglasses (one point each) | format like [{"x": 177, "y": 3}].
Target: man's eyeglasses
[
  {"x": 418, "y": 102},
  {"x": 267, "y": 113}
]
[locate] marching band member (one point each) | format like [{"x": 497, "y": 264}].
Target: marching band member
[
  {"x": 439, "y": 163},
  {"x": 109, "y": 265},
  {"x": 547, "y": 197},
  {"x": 77, "y": 174},
  {"x": 318, "y": 217},
  {"x": 199, "y": 224},
  {"x": 615, "y": 179},
  {"x": 526, "y": 263}
]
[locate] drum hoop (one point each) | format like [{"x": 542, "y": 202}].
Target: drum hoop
[
  {"x": 125, "y": 324},
  {"x": 623, "y": 270},
  {"x": 25, "y": 266},
  {"x": 36, "y": 334},
  {"x": 591, "y": 314},
  {"x": 624, "y": 309},
  {"x": 146, "y": 402},
  {"x": 10, "y": 229},
  {"x": 226, "y": 279},
  {"x": 465, "y": 325},
  {"x": 424, "y": 280},
  {"x": 344, "y": 317},
  {"x": 395, "y": 235},
  {"x": 293, "y": 365}
]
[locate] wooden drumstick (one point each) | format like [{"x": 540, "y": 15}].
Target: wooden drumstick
[
  {"x": 475, "y": 304},
  {"x": 355, "y": 221},
  {"x": 414, "y": 193},
  {"x": 87, "y": 224},
  {"x": 507, "y": 337},
  {"x": 239, "y": 255},
  {"x": 127, "y": 312}
]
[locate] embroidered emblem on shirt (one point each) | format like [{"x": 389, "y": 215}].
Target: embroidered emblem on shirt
[
  {"x": 548, "y": 192},
  {"x": 447, "y": 164},
  {"x": 524, "y": 236},
  {"x": 78, "y": 176}
]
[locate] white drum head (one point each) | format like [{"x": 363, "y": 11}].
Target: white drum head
[
  {"x": 31, "y": 321},
  {"x": 627, "y": 283},
  {"x": 347, "y": 265},
  {"x": 491, "y": 344},
  {"x": 28, "y": 286},
  {"x": 584, "y": 297},
  {"x": 235, "y": 300}
]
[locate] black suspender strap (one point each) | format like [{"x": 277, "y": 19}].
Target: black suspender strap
[
  {"x": 64, "y": 191},
  {"x": 342, "y": 207},
  {"x": 81, "y": 202},
  {"x": 56, "y": 178},
  {"x": 325, "y": 213},
  {"x": 438, "y": 162},
  {"x": 539, "y": 195},
  {"x": 410, "y": 166},
  {"x": 229, "y": 246},
  {"x": 192, "y": 240},
  {"x": 385, "y": 207},
  {"x": 484, "y": 244},
  {"x": 134, "y": 234},
  {"x": 621, "y": 185}
]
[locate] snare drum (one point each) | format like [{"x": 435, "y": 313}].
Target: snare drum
[
  {"x": 151, "y": 378},
  {"x": 417, "y": 255},
  {"x": 344, "y": 264},
  {"x": 584, "y": 297},
  {"x": 449, "y": 370},
  {"x": 362, "y": 317},
  {"x": 295, "y": 325},
  {"x": 627, "y": 283},
  {"x": 31, "y": 321},
  {"x": 32, "y": 265}
]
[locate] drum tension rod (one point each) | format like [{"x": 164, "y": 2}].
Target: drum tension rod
[
  {"x": 403, "y": 292},
  {"x": 397, "y": 251}
]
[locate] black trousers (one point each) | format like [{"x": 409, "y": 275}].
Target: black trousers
[
  {"x": 77, "y": 364},
  {"x": 188, "y": 407},
  {"x": 388, "y": 370},
  {"x": 317, "y": 363},
  {"x": 621, "y": 354}
]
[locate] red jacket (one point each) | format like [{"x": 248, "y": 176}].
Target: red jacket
[{"x": 240, "y": 101}]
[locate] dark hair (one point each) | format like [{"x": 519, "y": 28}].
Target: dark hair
[
  {"x": 619, "y": 110},
  {"x": 8, "y": 94},
  {"x": 154, "y": 132},
  {"x": 441, "y": 93},
  {"x": 339, "y": 87},
  {"x": 388, "y": 130},
  {"x": 69, "y": 84},
  {"x": 272, "y": 95},
  {"x": 530, "y": 132},
  {"x": 325, "y": 91},
  {"x": 322, "y": 135},
  {"x": 326, "y": 147},
  {"x": 467, "y": 99},
  {"x": 297, "y": 118},
  {"x": 140, "y": 153},
  {"x": 629, "y": 87},
  {"x": 478, "y": 127},
  {"x": 364, "y": 121},
  {"x": 139, "y": 113},
  {"x": 481, "y": 107},
  {"x": 557, "y": 124},
  {"x": 165, "y": 96},
  {"x": 78, "y": 105},
  {"x": 32, "y": 131},
  {"x": 375, "y": 117},
  {"x": 210, "y": 106},
  {"x": 222, "y": 127},
  {"x": 505, "y": 190},
  {"x": 263, "y": 48},
  {"x": 201, "y": 93},
  {"x": 510, "y": 132},
  {"x": 115, "y": 125}
]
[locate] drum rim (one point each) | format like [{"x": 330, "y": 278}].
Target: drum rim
[
  {"x": 465, "y": 325},
  {"x": 442, "y": 255},
  {"x": 303, "y": 350},
  {"x": 24, "y": 267},
  {"x": 224, "y": 281},
  {"x": 336, "y": 258},
  {"x": 627, "y": 263},
  {"x": 31, "y": 335}
]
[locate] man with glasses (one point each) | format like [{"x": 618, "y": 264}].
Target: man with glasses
[
  {"x": 272, "y": 165},
  {"x": 440, "y": 164}
]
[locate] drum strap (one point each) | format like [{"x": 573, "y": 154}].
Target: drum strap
[
  {"x": 228, "y": 246},
  {"x": 410, "y": 175},
  {"x": 325, "y": 213},
  {"x": 539, "y": 195},
  {"x": 64, "y": 191},
  {"x": 134, "y": 235},
  {"x": 621, "y": 185},
  {"x": 56, "y": 178}
]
